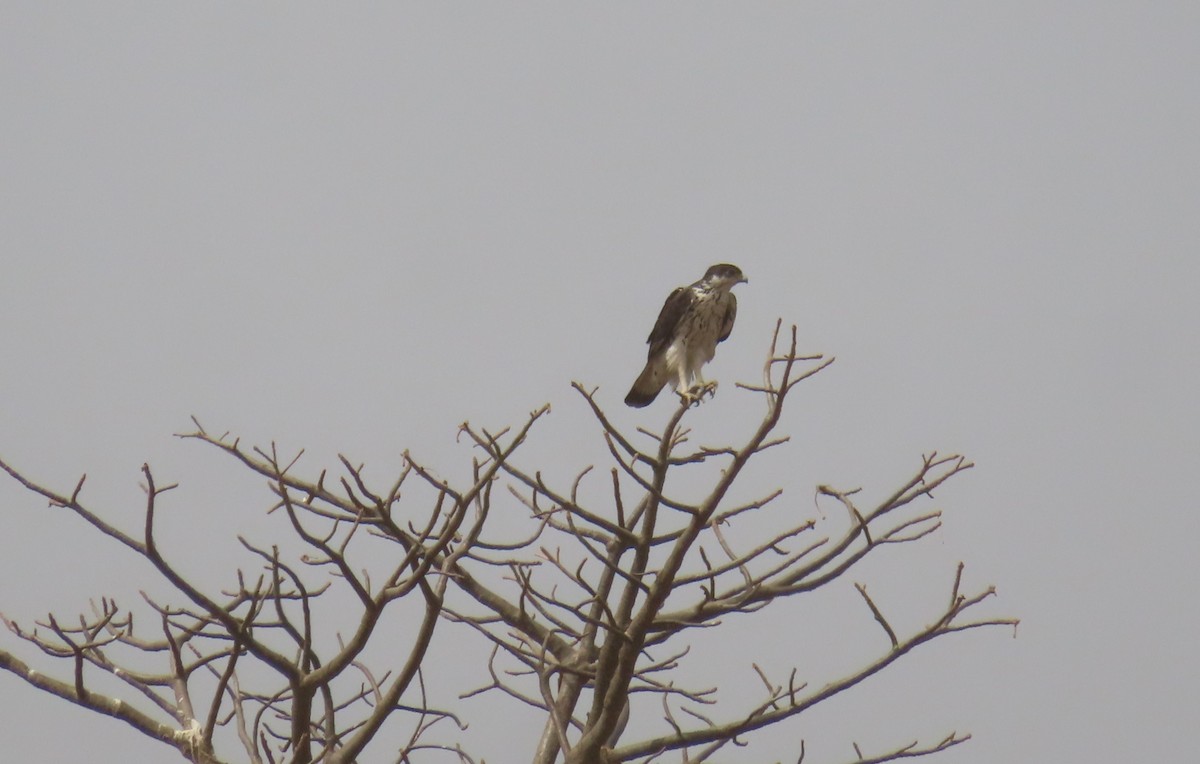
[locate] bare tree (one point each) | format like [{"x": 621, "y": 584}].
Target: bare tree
[{"x": 588, "y": 615}]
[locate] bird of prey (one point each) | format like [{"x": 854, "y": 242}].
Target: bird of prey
[{"x": 685, "y": 336}]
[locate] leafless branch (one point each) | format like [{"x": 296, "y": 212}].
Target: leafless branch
[{"x": 588, "y": 592}]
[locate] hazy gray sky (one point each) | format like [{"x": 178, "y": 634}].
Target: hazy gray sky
[{"x": 350, "y": 229}]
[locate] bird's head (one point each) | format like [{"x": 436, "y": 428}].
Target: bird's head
[{"x": 724, "y": 276}]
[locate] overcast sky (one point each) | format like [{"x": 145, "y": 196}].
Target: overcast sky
[{"x": 351, "y": 229}]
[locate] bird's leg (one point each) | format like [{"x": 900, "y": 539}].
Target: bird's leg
[
  {"x": 702, "y": 387},
  {"x": 687, "y": 393}
]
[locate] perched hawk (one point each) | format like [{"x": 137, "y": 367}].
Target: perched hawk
[{"x": 685, "y": 336}]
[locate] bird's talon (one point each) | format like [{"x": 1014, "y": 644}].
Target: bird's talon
[{"x": 694, "y": 395}]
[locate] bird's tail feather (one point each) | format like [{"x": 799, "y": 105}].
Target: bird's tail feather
[{"x": 647, "y": 387}]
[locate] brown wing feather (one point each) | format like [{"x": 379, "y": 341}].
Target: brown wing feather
[
  {"x": 730, "y": 315},
  {"x": 654, "y": 376},
  {"x": 672, "y": 311}
]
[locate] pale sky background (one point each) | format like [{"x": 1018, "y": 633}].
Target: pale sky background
[{"x": 350, "y": 229}]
